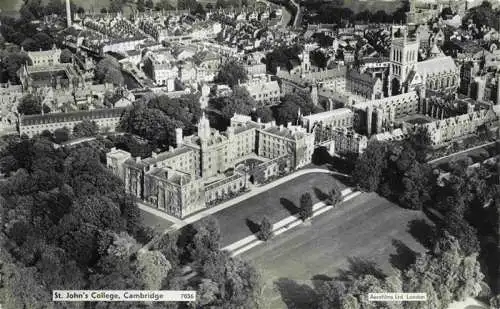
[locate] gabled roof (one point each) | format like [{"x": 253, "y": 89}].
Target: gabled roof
[{"x": 436, "y": 65}]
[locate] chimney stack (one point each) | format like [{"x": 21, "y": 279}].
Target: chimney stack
[{"x": 68, "y": 13}]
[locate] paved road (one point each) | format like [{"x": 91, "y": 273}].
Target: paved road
[
  {"x": 272, "y": 203},
  {"x": 364, "y": 227},
  {"x": 463, "y": 152}
]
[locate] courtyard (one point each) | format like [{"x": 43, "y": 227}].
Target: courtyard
[
  {"x": 366, "y": 232},
  {"x": 416, "y": 119}
]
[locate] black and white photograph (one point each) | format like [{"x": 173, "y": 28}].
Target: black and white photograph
[{"x": 249, "y": 154}]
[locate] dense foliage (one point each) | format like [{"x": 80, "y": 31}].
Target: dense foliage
[
  {"x": 394, "y": 171},
  {"x": 290, "y": 106},
  {"x": 231, "y": 73},
  {"x": 156, "y": 119},
  {"x": 67, "y": 223},
  {"x": 85, "y": 128},
  {"x": 108, "y": 70},
  {"x": 31, "y": 105},
  {"x": 446, "y": 274},
  {"x": 239, "y": 102}
]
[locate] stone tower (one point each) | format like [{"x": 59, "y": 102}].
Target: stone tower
[
  {"x": 305, "y": 64},
  {"x": 403, "y": 58},
  {"x": 204, "y": 127}
]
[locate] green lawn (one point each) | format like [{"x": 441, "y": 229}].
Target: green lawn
[
  {"x": 277, "y": 203},
  {"x": 157, "y": 223},
  {"x": 366, "y": 232}
]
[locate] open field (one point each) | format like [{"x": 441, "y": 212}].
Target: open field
[
  {"x": 276, "y": 203},
  {"x": 367, "y": 231}
]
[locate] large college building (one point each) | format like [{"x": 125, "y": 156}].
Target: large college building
[{"x": 211, "y": 166}]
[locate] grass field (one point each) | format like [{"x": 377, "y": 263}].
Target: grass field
[
  {"x": 157, "y": 223},
  {"x": 277, "y": 203},
  {"x": 367, "y": 232}
]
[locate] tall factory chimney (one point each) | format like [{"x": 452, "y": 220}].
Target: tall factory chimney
[{"x": 68, "y": 13}]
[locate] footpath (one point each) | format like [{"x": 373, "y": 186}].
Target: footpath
[
  {"x": 286, "y": 224},
  {"x": 180, "y": 223}
]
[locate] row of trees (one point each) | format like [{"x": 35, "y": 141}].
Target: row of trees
[{"x": 332, "y": 13}]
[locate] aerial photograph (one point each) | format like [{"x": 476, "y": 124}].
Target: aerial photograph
[{"x": 249, "y": 154}]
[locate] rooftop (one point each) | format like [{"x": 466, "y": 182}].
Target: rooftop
[{"x": 333, "y": 113}]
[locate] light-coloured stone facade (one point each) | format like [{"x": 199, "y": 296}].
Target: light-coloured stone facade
[
  {"x": 209, "y": 166},
  {"x": 106, "y": 119},
  {"x": 373, "y": 115},
  {"x": 341, "y": 117},
  {"x": 449, "y": 129}
]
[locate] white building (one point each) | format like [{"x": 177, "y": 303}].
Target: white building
[
  {"x": 161, "y": 69},
  {"x": 262, "y": 89}
]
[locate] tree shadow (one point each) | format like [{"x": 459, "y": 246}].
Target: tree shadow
[
  {"x": 252, "y": 225},
  {"x": 404, "y": 256},
  {"x": 296, "y": 296},
  {"x": 343, "y": 165},
  {"x": 318, "y": 280},
  {"x": 359, "y": 267},
  {"x": 321, "y": 156},
  {"x": 423, "y": 232},
  {"x": 320, "y": 195},
  {"x": 290, "y": 206}
]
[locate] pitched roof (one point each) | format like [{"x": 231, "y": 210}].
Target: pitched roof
[{"x": 436, "y": 65}]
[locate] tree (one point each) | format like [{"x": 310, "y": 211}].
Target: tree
[
  {"x": 108, "y": 70},
  {"x": 240, "y": 102},
  {"x": 331, "y": 294},
  {"x": 306, "y": 206},
  {"x": 151, "y": 124},
  {"x": 61, "y": 135},
  {"x": 31, "y": 105},
  {"x": 12, "y": 62},
  {"x": 265, "y": 229},
  {"x": 466, "y": 235},
  {"x": 231, "y": 73},
  {"x": 290, "y": 106},
  {"x": 86, "y": 128},
  {"x": 453, "y": 274},
  {"x": 335, "y": 195},
  {"x": 152, "y": 268},
  {"x": 265, "y": 114},
  {"x": 206, "y": 240},
  {"x": 368, "y": 168},
  {"x": 167, "y": 245},
  {"x": 207, "y": 292}
]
